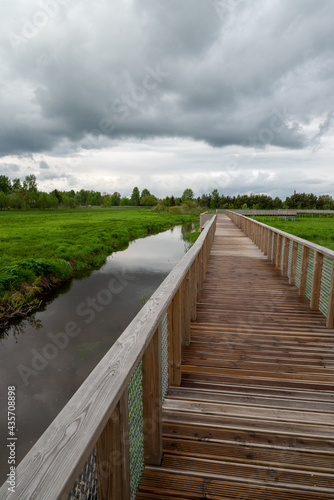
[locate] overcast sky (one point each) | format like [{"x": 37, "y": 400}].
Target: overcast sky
[{"x": 232, "y": 95}]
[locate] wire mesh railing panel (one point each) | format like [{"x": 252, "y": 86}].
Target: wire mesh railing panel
[
  {"x": 310, "y": 274},
  {"x": 290, "y": 258},
  {"x": 299, "y": 264},
  {"x": 85, "y": 487},
  {"x": 136, "y": 429},
  {"x": 164, "y": 337},
  {"x": 326, "y": 277}
]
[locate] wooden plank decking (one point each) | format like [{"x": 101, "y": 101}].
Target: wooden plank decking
[{"x": 254, "y": 416}]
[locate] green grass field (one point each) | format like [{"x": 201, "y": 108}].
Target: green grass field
[
  {"x": 318, "y": 230},
  {"x": 40, "y": 248}
]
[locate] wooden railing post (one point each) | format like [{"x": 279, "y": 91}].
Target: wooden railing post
[
  {"x": 186, "y": 310},
  {"x": 316, "y": 281},
  {"x": 193, "y": 288},
  {"x": 286, "y": 251},
  {"x": 330, "y": 313},
  {"x": 174, "y": 341},
  {"x": 270, "y": 244},
  {"x": 279, "y": 251},
  {"x": 294, "y": 256},
  {"x": 112, "y": 455},
  {"x": 187, "y": 307},
  {"x": 303, "y": 271},
  {"x": 265, "y": 241},
  {"x": 152, "y": 400},
  {"x": 264, "y": 234}
]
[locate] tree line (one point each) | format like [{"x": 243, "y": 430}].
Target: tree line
[{"x": 25, "y": 194}]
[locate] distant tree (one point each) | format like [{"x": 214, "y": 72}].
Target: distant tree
[
  {"x": 30, "y": 183},
  {"x": 145, "y": 192},
  {"x": 187, "y": 195},
  {"x": 115, "y": 199},
  {"x": 57, "y": 195},
  {"x": 172, "y": 201},
  {"x": 106, "y": 200},
  {"x": 125, "y": 202},
  {"x": 5, "y": 184},
  {"x": 82, "y": 197},
  {"x": 16, "y": 185},
  {"x": 17, "y": 201},
  {"x": 214, "y": 203},
  {"x": 277, "y": 203},
  {"x": 204, "y": 200},
  {"x": 135, "y": 197},
  {"x": 3, "y": 200},
  {"x": 149, "y": 201}
]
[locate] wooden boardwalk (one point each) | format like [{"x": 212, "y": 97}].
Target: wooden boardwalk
[{"x": 254, "y": 416}]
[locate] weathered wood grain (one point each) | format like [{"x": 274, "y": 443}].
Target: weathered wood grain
[
  {"x": 316, "y": 281},
  {"x": 112, "y": 455},
  {"x": 152, "y": 401}
]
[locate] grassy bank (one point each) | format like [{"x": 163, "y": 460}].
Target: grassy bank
[
  {"x": 317, "y": 230},
  {"x": 41, "y": 249}
]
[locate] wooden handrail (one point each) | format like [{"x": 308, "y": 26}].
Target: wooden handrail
[
  {"x": 279, "y": 255},
  {"x": 97, "y": 415}
]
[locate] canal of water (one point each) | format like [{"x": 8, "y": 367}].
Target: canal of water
[{"x": 48, "y": 355}]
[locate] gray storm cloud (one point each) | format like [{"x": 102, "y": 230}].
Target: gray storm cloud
[{"x": 80, "y": 76}]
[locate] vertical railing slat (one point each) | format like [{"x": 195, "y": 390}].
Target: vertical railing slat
[
  {"x": 152, "y": 400},
  {"x": 186, "y": 310},
  {"x": 303, "y": 271},
  {"x": 174, "y": 341},
  {"x": 112, "y": 455},
  {"x": 286, "y": 257},
  {"x": 294, "y": 255},
  {"x": 316, "y": 281}
]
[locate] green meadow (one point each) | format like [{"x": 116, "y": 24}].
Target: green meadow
[
  {"x": 319, "y": 230},
  {"x": 41, "y": 248}
]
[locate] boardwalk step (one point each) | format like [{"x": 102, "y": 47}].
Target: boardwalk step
[
  {"x": 256, "y": 454},
  {"x": 191, "y": 486},
  {"x": 251, "y": 400}
]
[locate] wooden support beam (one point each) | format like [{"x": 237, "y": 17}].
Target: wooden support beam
[
  {"x": 193, "y": 290},
  {"x": 286, "y": 251},
  {"x": 186, "y": 310},
  {"x": 316, "y": 281},
  {"x": 303, "y": 271},
  {"x": 182, "y": 319},
  {"x": 174, "y": 341},
  {"x": 279, "y": 251},
  {"x": 152, "y": 401},
  {"x": 265, "y": 241},
  {"x": 330, "y": 312},
  {"x": 294, "y": 256},
  {"x": 270, "y": 244},
  {"x": 274, "y": 248},
  {"x": 112, "y": 455}
]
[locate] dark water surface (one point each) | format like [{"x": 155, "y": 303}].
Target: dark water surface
[{"x": 48, "y": 356}]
